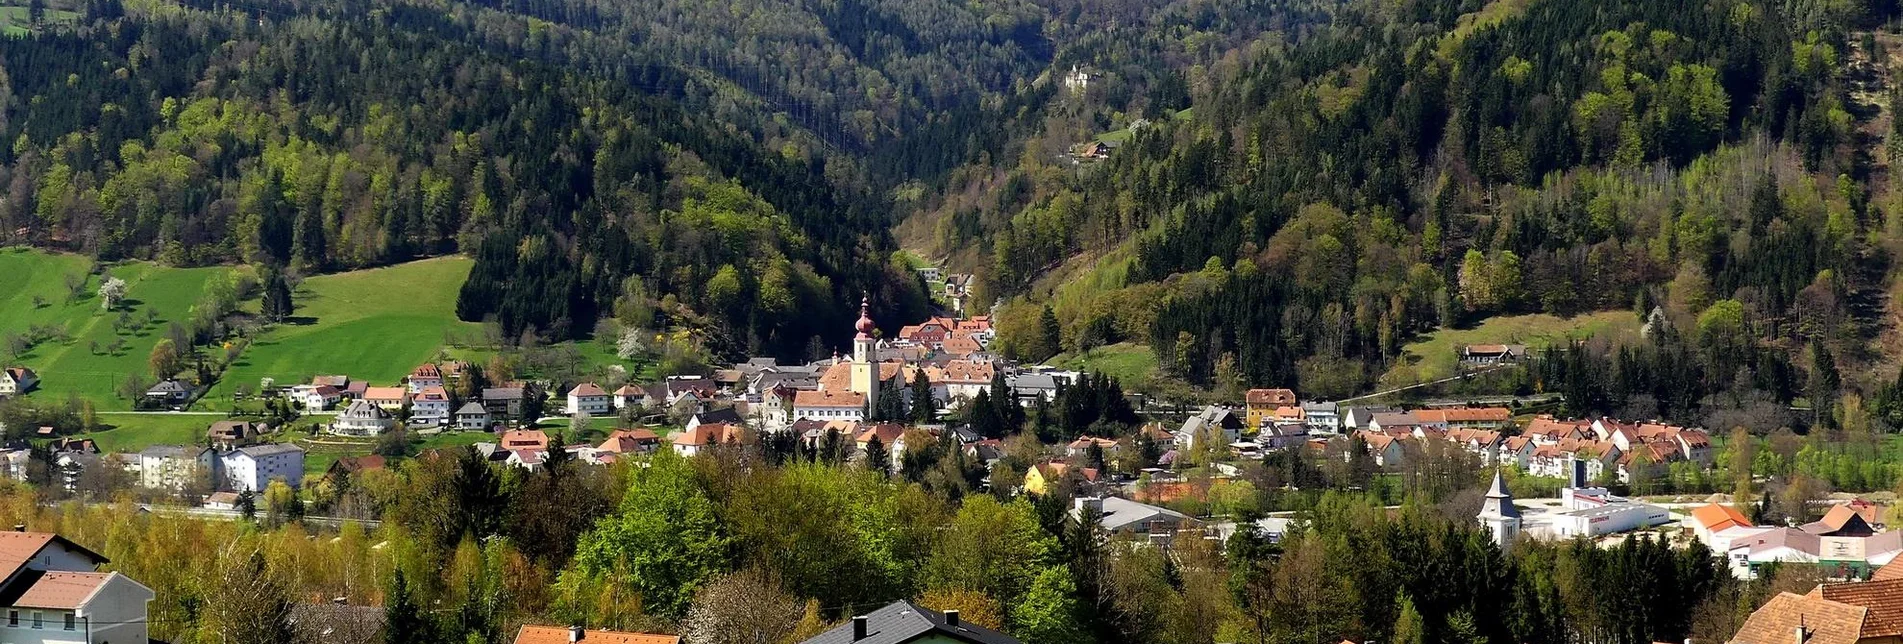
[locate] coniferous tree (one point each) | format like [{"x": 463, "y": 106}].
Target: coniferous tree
[{"x": 924, "y": 407}]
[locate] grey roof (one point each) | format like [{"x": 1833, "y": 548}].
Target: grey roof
[
  {"x": 1324, "y": 407},
  {"x": 902, "y": 621},
  {"x": 361, "y": 408},
  {"x": 502, "y": 393},
  {"x": 169, "y": 386},
  {"x": 1499, "y": 503},
  {"x": 472, "y": 408},
  {"x": 269, "y": 449},
  {"x": 1120, "y": 513},
  {"x": 169, "y": 451},
  {"x": 1035, "y": 381}
]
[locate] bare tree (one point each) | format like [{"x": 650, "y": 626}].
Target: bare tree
[{"x": 746, "y": 607}]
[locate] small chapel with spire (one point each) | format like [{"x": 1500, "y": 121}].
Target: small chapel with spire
[{"x": 1498, "y": 516}]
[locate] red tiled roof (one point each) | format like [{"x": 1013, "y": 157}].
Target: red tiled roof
[
  {"x": 713, "y": 434},
  {"x": 531, "y": 634},
  {"x": 828, "y": 399},
  {"x": 62, "y": 590},
  {"x": 1269, "y": 397},
  {"x": 1883, "y": 600},
  {"x": 587, "y": 389},
  {"x": 524, "y": 439},
  {"x": 17, "y": 548},
  {"x": 1828, "y": 622},
  {"x": 1717, "y": 516},
  {"x": 623, "y": 441}
]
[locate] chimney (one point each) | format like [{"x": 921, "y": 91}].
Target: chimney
[
  {"x": 951, "y": 618},
  {"x": 1803, "y": 634},
  {"x": 859, "y": 628},
  {"x": 19, "y": 527},
  {"x": 574, "y": 633}
]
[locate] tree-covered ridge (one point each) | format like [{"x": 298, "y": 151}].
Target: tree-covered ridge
[
  {"x": 330, "y": 143},
  {"x": 1411, "y": 166}
]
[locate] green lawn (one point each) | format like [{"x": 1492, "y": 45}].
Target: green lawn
[
  {"x": 373, "y": 325},
  {"x": 14, "y": 20},
  {"x": 1129, "y": 363},
  {"x": 134, "y": 432},
  {"x": 1432, "y": 357},
  {"x": 73, "y": 367}
]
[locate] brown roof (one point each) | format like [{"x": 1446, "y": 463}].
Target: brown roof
[
  {"x": 828, "y": 399},
  {"x": 525, "y": 439},
  {"x": 1465, "y": 415},
  {"x": 1829, "y": 622},
  {"x": 961, "y": 344},
  {"x": 587, "y": 389},
  {"x": 839, "y": 376},
  {"x": 887, "y": 433},
  {"x": 427, "y": 371},
  {"x": 1883, "y": 600},
  {"x": 963, "y": 371},
  {"x": 1547, "y": 425},
  {"x": 623, "y": 441},
  {"x": 531, "y": 634},
  {"x": 62, "y": 590},
  {"x": 1269, "y": 397},
  {"x": 17, "y": 548},
  {"x": 714, "y": 434}
]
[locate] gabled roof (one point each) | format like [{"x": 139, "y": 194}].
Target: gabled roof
[
  {"x": 387, "y": 393},
  {"x": 713, "y": 434},
  {"x": 623, "y": 441},
  {"x": 362, "y": 408},
  {"x": 1269, "y": 397},
  {"x": 1466, "y": 415},
  {"x": 887, "y": 433},
  {"x": 501, "y": 393},
  {"x": 1717, "y": 516},
  {"x": 722, "y": 415},
  {"x": 472, "y": 408},
  {"x": 532, "y": 634},
  {"x": 18, "y": 548},
  {"x": 1882, "y": 599},
  {"x": 588, "y": 390},
  {"x": 427, "y": 371},
  {"x": 903, "y": 621},
  {"x": 57, "y": 590},
  {"x": 525, "y": 439},
  {"x": 1827, "y": 622},
  {"x": 829, "y": 399}
]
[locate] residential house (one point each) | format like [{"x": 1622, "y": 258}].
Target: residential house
[
  {"x": 1322, "y": 417},
  {"x": 699, "y": 389},
  {"x": 503, "y": 402},
  {"x": 169, "y": 392},
  {"x": 1493, "y": 418},
  {"x": 961, "y": 380},
  {"x": 533, "y": 634},
  {"x": 15, "y": 381},
  {"x": 432, "y": 406},
  {"x": 354, "y": 389},
  {"x": 53, "y": 594},
  {"x": 631, "y": 441},
  {"x": 931, "y": 333},
  {"x": 962, "y": 344},
  {"x": 1043, "y": 477},
  {"x": 1399, "y": 423},
  {"x": 704, "y": 437},
  {"x": 588, "y": 398},
  {"x": 1388, "y": 450},
  {"x": 1214, "y": 421},
  {"x": 173, "y": 467},
  {"x": 1162, "y": 438},
  {"x": 1483, "y": 443},
  {"x": 829, "y": 405},
  {"x": 1287, "y": 415},
  {"x": 724, "y": 415},
  {"x": 14, "y": 460},
  {"x": 352, "y": 465},
  {"x": 891, "y": 437},
  {"x": 1260, "y": 404},
  {"x": 362, "y": 418},
  {"x": 629, "y": 396},
  {"x": 1081, "y": 446},
  {"x": 253, "y": 468},
  {"x": 1546, "y": 430},
  {"x": 1356, "y": 418},
  {"x": 903, "y": 622},
  {"x": 390, "y": 399},
  {"x": 1280, "y": 436},
  {"x": 1487, "y": 354},
  {"x": 423, "y": 377},
  {"x": 525, "y": 439},
  {"x": 472, "y": 416},
  {"x": 1718, "y": 526},
  {"x": 228, "y": 434}
]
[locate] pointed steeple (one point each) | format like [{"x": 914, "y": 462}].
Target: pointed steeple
[{"x": 1499, "y": 502}]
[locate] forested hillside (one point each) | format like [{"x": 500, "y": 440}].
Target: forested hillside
[{"x": 1415, "y": 165}]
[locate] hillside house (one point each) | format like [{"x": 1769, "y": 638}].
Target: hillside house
[
  {"x": 229, "y": 434},
  {"x": 472, "y": 416},
  {"x": 1489, "y": 354},
  {"x": 629, "y": 396},
  {"x": 503, "y": 402},
  {"x": 533, "y": 634},
  {"x": 423, "y": 377},
  {"x": 903, "y": 622},
  {"x": 1260, "y": 404},
  {"x": 390, "y": 399},
  {"x": 253, "y": 468},
  {"x": 431, "y": 407},
  {"x": 631, "y": 441},
  {"x": 169, "y": 393},
  {"x": 15, "y": 381},
  {"x": 704, "y": 437},
  {"x": 362, "y": 418},
  {"x": 1213, "y": 422}
]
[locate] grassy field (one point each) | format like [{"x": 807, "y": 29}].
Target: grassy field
[
  {"x": 373, "y": 325},
  {"x": 1128, "y": 363},
  {"x": 73, "y": 366},
  {"x": 14, "y": 20},
  {"x": 134, "y": 432},
  {"x": 1433, "y": 356}
]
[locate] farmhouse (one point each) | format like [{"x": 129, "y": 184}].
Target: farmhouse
[{"x": 17, "y": 380}]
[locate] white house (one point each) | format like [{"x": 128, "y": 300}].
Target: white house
[
  {"x": 252, "y": 468},
  {"x": 588, "y": 398},
  {"x": 630, "y": 396},
  {"x": 472, "y": 416},
  {"x": 17, "y": 380},
  {"x": 316, "y": 397},
  {"x": 425, "y": 376},
  {"x": 391, "y": 399},
  {"x": 362, "y": 418},
  {"x": 431, "y": 406},
  {"x": 57, "y": 596},
  {"x": 829, "y": 405}
]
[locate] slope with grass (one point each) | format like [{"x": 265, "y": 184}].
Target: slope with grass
[
  {"x": 374, "y": 325},
  {"x": 82, "y": 364},
  {"x": 1432, "y": 357}
]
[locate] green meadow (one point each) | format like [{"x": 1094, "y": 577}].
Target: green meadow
[{"x": 34, "y": 293}]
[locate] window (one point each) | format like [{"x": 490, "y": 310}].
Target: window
[
  {"x": 36, "y": 619},
  {"x": 13, "y": 618},
  {"x": 69, "y": 621}
]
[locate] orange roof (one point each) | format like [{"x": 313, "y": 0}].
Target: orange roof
[
  {"x": 962, "y": 371},
  {"x": 1465, "y": 415},
  {"x": 838, "y": 377},
  {"x": 1269, "y": 397},
  {"x": 1288, "y": 411},
  {"x": 1883, "y": 599},
  {"x": 623, "y": 441},
  {"x": 1827, "y": 621},
  {"x": 62, "y": 590},
  {"x": 960, "y": 343},
  {"x": 587, "y": 389},
  {"x": 427, "y": 371},
  {"x": 524, "y": 439},
  {"x": 887, "y": 433},
  {"x": 1838, "y": 516},
  {"x": 1892, "y": 570},
  {"x": 713, "y": 434},
  {"x": 385, "y": 393},
  {"x": 531, "y": 634},
  {"x": 1547, "y": 426},
  {"x": 17, "y": 548},
  {"x": 828, "y": 399},
  {"x": 1716, "y": 516}
]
